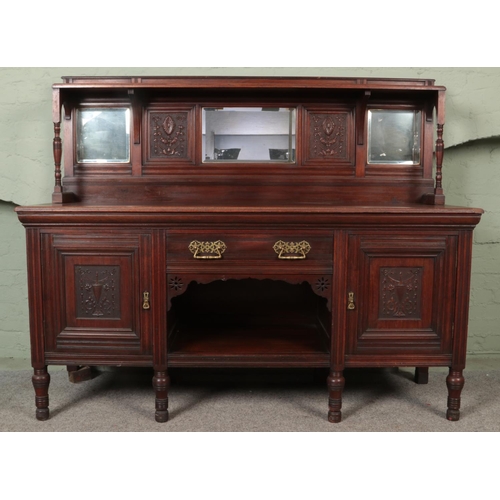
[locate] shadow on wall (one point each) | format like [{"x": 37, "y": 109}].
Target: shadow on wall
[
  {"x": 471, "y": 177},
  {"x": 14, "y": 324}
]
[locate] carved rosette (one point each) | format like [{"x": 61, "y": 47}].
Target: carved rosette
[
  {"x": 400, "y": 293},
  {"x": 168, "y": 135},
  {"x": 327, "y": 136},
  {"x": 176, "y": 283},
  {"x": 98, "y": 289}
]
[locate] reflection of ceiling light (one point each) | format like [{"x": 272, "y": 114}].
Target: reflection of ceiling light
[{"x": 90, "y": 116}]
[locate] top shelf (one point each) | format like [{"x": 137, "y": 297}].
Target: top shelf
[{"x": 229, "y": 82}]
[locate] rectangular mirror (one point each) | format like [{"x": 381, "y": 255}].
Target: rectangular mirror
[
  {"x": 247, "y": 134},
  {"x": 103, "y": 135},
  {"x": 394, "y": 136}
]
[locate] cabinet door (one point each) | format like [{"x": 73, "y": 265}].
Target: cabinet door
[
  {"x": 400, "y": 296},
  {"x": 93, "y": 289}
]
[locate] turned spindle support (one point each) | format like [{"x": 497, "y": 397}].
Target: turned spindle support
[
  {"x": 437, "y": 197},
  {"x": 438, "y": 191},
  {"x": 455, "y": 383},
  {"x": 335, "y": 382},
  {"x": 161, "y": 384},
  {"x": 41, "y": 381},
  {"x": 57, "y": 195}
]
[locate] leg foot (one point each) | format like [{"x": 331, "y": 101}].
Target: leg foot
[
  {"x": 455, "y": 383},
  {"x": 335, "y": 382},
  {"x": 41, "y": 381},
  {"x": 422, "y": 375},
  {"x": 77, "y": 374},
  {"x": 161, "y": 384}
]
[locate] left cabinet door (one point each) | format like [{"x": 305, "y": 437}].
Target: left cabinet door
[{"x": 97, "y": 293}]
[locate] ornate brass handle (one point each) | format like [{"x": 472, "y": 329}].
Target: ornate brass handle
[
  {"x": 145, "y": 300},
  {"x": 291, "y": 250},
  {"x": 214, "y": 249},
  {"x": 350, "y": 301}
]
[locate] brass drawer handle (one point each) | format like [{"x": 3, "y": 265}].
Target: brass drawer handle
[
  {"x": 291, "y": 250},
  {"x": 214, "y": 249}
]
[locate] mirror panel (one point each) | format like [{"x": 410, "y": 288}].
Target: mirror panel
[
  {"x": 394, "y": 136},
  {"x": 103, "y": 135},
  {"x": 248, "y": 134}
]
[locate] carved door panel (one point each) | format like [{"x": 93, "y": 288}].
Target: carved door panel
[
  {"x": 96, "y": 292},
  {"x": 400, "y": 290}
]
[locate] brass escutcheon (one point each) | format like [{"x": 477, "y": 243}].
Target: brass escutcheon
[
  {"x": 145, "y": 300},
  {"x": 350, "y": 301},
  {"x": 291, "y": 250},
  {"x": 214, "y": 249}
]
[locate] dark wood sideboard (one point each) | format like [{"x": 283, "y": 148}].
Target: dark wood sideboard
[{"x": 248, "y": 222}]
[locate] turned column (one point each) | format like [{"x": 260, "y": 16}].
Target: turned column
[
  {"x": 335, "y": 382},
  {"x": 161, "y": 384},
  {"x": 41, "y": 381},
  {"x": 455, "y": 383}
]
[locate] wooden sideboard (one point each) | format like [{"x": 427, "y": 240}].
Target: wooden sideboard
[{"x": 248, "y": 222}]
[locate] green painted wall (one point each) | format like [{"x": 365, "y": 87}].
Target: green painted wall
[{"x": 471, "y": 175}]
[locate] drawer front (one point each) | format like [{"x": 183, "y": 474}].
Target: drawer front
[{"x": 235, "y": 248}]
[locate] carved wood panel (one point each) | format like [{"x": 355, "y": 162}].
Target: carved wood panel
[
  {"x": 169, "y": 135},
  {"x": 329, "y": 137},
  {"x": 178, "y": 283},
  {"x": 400, "y": 292},
  {"x": 98, "y": 289}
]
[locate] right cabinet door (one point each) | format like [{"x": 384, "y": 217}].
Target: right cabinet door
[{"x": 400, "y": 292}]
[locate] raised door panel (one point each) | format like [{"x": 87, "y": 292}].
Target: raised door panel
[
  {"x": 93, "y": 289},
  {"x": 400, "y": 293}
]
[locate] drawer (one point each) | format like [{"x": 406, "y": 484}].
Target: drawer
[{"x": 232, "y": 247}]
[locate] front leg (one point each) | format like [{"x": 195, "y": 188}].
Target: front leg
[
  {"x": 161, "y": 384},
  {"x": 41, "y": 381},
  {"x": 335, "y": 383},
  {"x": 455, "y": 383}
]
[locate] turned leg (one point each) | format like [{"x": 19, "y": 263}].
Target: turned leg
[
  {"x": 455, "y": 383},
  {"x": 41, "y": 380},
  {"x": 422, "y": 375},
  {"x": 161, "y": 384},
  {"x": 335, "y": 382}
]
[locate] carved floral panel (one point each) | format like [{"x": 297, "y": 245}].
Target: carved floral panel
[
  {"x": 98, "y": 291},
  {"x": 400, "y": 292},
  {"x": 328, "y": 136},
  {"x": 168, "y": 134}
]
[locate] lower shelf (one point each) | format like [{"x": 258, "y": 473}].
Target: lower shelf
[
  {"x": 249, "y": 322},
  {"x": 265, "y": 346}
]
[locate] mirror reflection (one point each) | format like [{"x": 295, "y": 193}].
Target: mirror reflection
[
  {"x": 394, "y": 136},
  {"x": 103, "y": 135},
  {"x": 248, "y": 134}
]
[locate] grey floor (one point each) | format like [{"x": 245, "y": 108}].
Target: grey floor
[{"x": 375, "y": 400}]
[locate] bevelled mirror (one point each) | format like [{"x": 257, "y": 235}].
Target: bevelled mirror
[
  {"x": 103, "y": 135},
  {"x": 248, "y": 134},
  {"x": 394, "y": 136}
]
